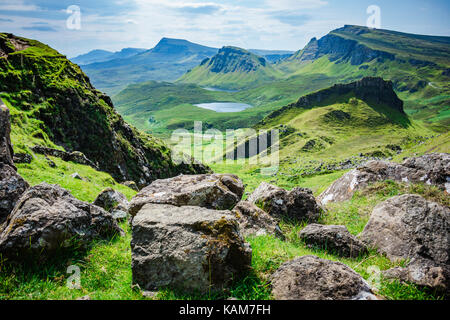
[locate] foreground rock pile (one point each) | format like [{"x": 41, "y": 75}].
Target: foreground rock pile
[{"x": 36, "y": 222}]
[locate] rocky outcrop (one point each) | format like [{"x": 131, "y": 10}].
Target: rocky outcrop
[
  {"x": 6, "y": 149},
  {"x": 371, "y": 89},
  {"x": 75, "y": 156},
  {"x": 337, "y": 47},
  {"x": 334, "y": 239},
  {"x": 312, "y": 278},
  {"x": 216, "y": 191},
  {"x": 233, "y": 59},
  {"x": 298, "y": 204},
  {"x": 187, "y": 248},
  {"x": 12, "y": 185},
  {"x": 255, "y": 222},
  {"x": 48, "y": 218},
  {"x": 431, "y": 169},
  {"x": 410, "y": 227},
  {"x": 114, "y": 202}
]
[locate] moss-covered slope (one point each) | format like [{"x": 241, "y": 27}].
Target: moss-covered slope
[{"x": 53, "y": 103}]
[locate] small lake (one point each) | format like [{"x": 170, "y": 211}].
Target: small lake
[
  {"x": 220, "y": 90},
  {"x": 224, "y": 106}
]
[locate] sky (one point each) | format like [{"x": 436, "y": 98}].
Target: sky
[{"x": 251, "y": 24}]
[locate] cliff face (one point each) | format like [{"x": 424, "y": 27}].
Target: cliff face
[
  {"x": 41, "y": 82},
  {"x": 340, "y": 49},
  {"x": 368, "y": 89},
  {"x": 232, "y": 59}
]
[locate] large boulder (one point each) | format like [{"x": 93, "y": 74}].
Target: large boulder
[
  {"x": 255, "y": 222},
  {"x": 298, "y": 204},
  {"x": 312, "y": 278},
  {"x": 114, "y": 202},
  {"x": 12, "y": 186},
  {"x": 6, "y": 150},
  {"x": 212, "y": 191},
  {"x": 192, "y": 249},
  {"x": 48, "y": 218},
  {"x": 431, "y": 169},
  {"x": 335, "y": 239},
  {"x": 410, "y": 227}
]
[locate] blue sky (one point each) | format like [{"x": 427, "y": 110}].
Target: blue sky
[{"x": 262, "y": 24}]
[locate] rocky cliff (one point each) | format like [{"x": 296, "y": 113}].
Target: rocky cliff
[
  {"x": 371, "y": 89},
  {"x": 233, "y": 59},
  {"x": 38, "y": 81}
]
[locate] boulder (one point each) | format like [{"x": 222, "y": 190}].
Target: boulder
[
  {"x": 312, "y": 278},
  {"x": 22, "y": 158},
  {"x": 423, "y": 273},
  {"x": 432, "y": 169},
  {"x": 6, "y": 150},
  {"x": 114, "y": 202},
  {"x": 192, "y": 249},
  {"x": 76, "y": 176},
  {"x": 298, "y": 204},
  {"x": 48, "y": 218},
  {"x": 131, "y": 184},
  {"x": 12, "y": 186},
  {"x": 410, "y": 227},
  {"x": 255, "y": 222},
  {"x": 212, "y": 191},
  {"x": 335, "y": 239}
]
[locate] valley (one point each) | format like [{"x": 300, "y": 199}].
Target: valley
[{"x": 334, "y": 137}]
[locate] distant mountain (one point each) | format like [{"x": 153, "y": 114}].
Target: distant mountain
[
  {"x": 232, "y": 68},
  {"x": 103, "y": 55},
  {"x": 273, "y": 56},
  {"x": 418, "y": 65},
  {"x": 169, "y": 60}
]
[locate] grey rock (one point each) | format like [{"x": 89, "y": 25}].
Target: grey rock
[
  {"x": 48, "y": 218},
  {"x": 424, "y": 273},
  {"x": 22, "y": 158},
  {"x": 298, "y": 204},
  {"x": 312, "y": 278},
  {"x": 76, "y": 176},
  {"x": 187, "y": 248},
  {"x": 255, "y": 222},
  {"x": 410, "y": 227},
  {"x": 74, "y": 156},
  {"x": 131, "y": 184},
  {"x": 12, "y": 186},
  {"x": 214, "y": 191},
  {"x": 335, "y": 239},
  {"x": 431, "y": 169},
  {"x": 6, "y": 149},
  {"x": 114, "y": 202}
]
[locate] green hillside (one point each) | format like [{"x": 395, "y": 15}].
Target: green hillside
[
  {"x": 232, "y": 68},
  {"x": 53, "y": 104}
]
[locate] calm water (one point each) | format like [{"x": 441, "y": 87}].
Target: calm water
[
  {"x": 224, "y": 106},
  {"x": 221, "y": 90}
]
